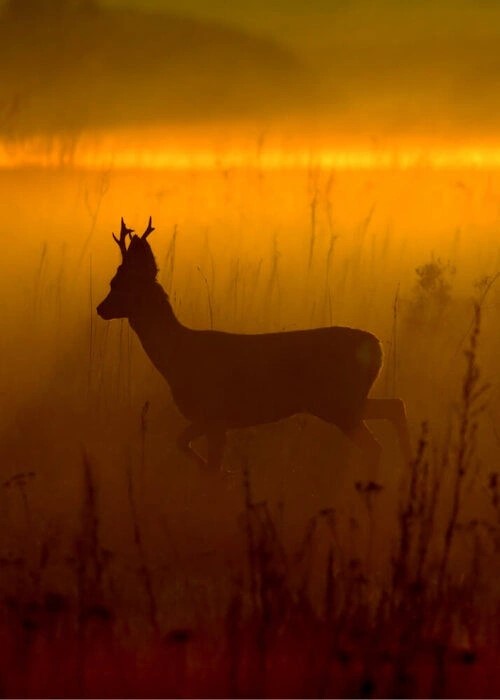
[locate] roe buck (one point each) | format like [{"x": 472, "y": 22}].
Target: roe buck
[{"x": 222, "y": 380}]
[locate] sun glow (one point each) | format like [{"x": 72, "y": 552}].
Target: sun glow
[{"x": 153, "y": 151}]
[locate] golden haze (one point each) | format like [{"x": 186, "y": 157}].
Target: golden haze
[{"x": 399, "y": 251}]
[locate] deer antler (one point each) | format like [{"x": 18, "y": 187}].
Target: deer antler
[
  {"x": 149, "y": 229},
  {"x": 124, "y": 232}
]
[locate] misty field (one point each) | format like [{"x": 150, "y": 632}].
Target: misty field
[{"x": 125, "y": 569}]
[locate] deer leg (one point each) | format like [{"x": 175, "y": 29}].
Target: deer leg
[
  {"x": 393, "y": 410},
  {"x": 216, "y": 441},
  {"x": 184, "y": 440},
  {"x": 362, "y": 436}
]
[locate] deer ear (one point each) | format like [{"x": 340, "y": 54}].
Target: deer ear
[{"x": 149, "y": 229}]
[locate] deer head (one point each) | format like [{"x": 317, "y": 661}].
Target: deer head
[{"x": 137, "y": 271}]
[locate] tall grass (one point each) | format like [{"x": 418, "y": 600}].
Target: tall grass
[{"x": 127, "y": 572}]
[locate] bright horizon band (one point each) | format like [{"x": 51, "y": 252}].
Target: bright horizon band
[{"x": 79, "y": 155}]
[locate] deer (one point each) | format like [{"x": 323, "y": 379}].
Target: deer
[{"x": 224, "y": 381}]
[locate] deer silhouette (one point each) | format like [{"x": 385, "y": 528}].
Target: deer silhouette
[{"x": 222, "y": 381}]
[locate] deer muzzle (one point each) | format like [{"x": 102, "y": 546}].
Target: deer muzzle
[{"x": 105, "y": 309}]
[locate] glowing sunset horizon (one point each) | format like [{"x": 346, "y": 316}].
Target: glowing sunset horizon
[{"x": 108, "y": 153}]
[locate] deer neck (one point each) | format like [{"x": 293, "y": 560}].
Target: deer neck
[{"x": 157, "y": 327}]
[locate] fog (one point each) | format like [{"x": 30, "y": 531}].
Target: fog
[
  {"x": 428, "y": 68},
  {"x": 335, "y": 166}
]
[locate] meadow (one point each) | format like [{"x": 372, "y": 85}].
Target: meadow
[{"x": 125, "y": 570}]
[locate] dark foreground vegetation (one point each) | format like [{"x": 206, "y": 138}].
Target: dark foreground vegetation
[{"x": 333, "y": 615}]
